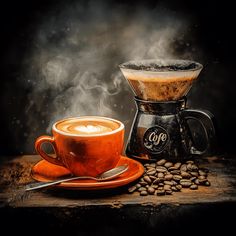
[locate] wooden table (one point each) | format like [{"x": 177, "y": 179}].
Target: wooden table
[{"x": 57, "y": 211}]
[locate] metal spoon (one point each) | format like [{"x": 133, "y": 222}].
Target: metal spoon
[{"x": 108, "y": 175}]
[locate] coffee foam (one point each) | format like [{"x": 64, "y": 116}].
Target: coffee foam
[
  {"x": 86, "y": 126},
  {"x": 91, "y": 129}
]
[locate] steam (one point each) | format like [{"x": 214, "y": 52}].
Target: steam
[{"x": 73, "y": 61}]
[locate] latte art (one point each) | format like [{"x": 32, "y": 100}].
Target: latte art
[
  {"x": 86, "y": 127},
  {"x": 92, "y": 129}
]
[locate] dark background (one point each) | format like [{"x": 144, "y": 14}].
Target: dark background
[{"x": 212, "y": 27}]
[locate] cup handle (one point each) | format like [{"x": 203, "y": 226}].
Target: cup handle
[
  {"x": 205, "y": 118},
  {"x": 38, "y": 146}
]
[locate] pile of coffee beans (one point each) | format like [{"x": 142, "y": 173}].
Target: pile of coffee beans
[{"x": 165, "y": 177}]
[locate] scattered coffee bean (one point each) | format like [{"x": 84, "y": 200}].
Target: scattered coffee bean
[
  {"x": 159, "y": 192},
  {"x": 168, "y": 177},
  {"x": 132, "y": 189},
  {"x": 193, "y": 187},
  {"x": 175, "y": 172},
  {"x": 207, "y": 183},
  {"x": 143, "y": 183},
  {"x": 185, "y": 175},
  {"x": 173, "y": 188},
  {"x": 183, "y": 167},
  {"x": 147, "y": 179},
  {"x": 177, "y": 177},
  {"x": 168, "y": 164},
  {"x": 152, "y": 172},
  {"x": 168, "y": 192},
  {"x": 143, "y": 193},
  {"x": 141, "y": 189},
  {"x": 165, "y": 177},
  {"x": 160, "y": 175},
  {"x": 189, "y": 162},
  {"x": 168, "y": 183},
  {"x": 179, "y": 186},
  {"x": 161, "y": 162},
  {"x": 152, "y": 177},
  {"x": 194, "y": 167},
  {"x": 161, "y": 169},
  {"x": 185, "y": 183},
  {"x": 202, "y": 173},
  {"x": 151, "y": 190},
  {"x": 194, "y": 173},
  {"x": 167, "y": 187},
  {"x": 177, "y": 165}
]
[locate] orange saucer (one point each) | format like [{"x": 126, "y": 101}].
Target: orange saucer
[{"x": 44, "y": 171}]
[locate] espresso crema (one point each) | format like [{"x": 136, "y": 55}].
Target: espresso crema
[{"x": 83, "y": 126}]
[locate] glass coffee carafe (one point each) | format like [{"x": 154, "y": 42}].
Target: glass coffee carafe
[{"x": 161, "y": 127}]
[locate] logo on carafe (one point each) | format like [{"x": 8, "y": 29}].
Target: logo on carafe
[{"x": 155, "y": 139}]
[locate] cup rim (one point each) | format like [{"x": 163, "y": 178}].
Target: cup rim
[
  {"x": 121, "y": 127},
  {"x": 126, "y": 65}
]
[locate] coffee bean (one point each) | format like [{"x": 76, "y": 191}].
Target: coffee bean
[
  {"x": 196, "y": 181},
  {"x": 173, "y": 182},
  {"x": 168, "y": 164},
  {"x": 142, "y": 189},
  {"x": 161, "y": 162},
  {"x": 183, "y": 167},
  {"x": 202, "y": 179},
  {"x": 132, "y": 189},
  {"x": 146, "y": 165},
  {"x": 147, "y": 179},
  {"x": 175, "y": 172},
  {"x": 172, "y": 168},
  {"x": 161, "y": 169},
  {"x": 147, "y": 186},
  {"x": 168, "y": 192},
  {"x": 167, "y": 187},
  {"x": 160, "y": 175},
  {"x": 155, "y": 186},
  {"x": 168, "y": 177},
  {"x": 143, "y": 193},
  {"x": 160, "y": 192},
  {"x": 179, "y": 186},
  {"x": 185, "y": 183},
  {"x": 193, "y": 178},
  {"x": 160, "y": 188},
  {"x": 151, "y": 190},
  {"x": 177, "y": 165},
  {"x": 177, "y": 177},
  {"x": 157, "y": 181},
  {"x": 194, "y": 167},
  {"x": 152, "y": 177},
  {"x": 202, "y": 173},
  {"x": 161, "y": 184},
  {"x": 168, "y": 183},
  {"x": 153, "y": 165},
  {"x": 193, "y": 187},
  {"x": 138, "y": 185},
  {"x": 185, "y": 175},
  {"x": 207, "y": 183},
  {"x": 173, "y": 188},
  {"x": 194, "y": 173},
  {"x": 189, "y": 162},
  {"x": 151, "y": 172},
  {"x": 189, "y": 167},
  {"x": 143, "y": 183}
]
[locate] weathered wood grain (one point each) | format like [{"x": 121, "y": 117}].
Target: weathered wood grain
[{"x": 16, "y": 173}]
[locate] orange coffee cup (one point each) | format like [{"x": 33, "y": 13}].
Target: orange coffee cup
[{"x": 86, "y": 145}]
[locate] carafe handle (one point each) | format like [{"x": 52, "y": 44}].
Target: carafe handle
[{"x": 205, "y": 118}]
